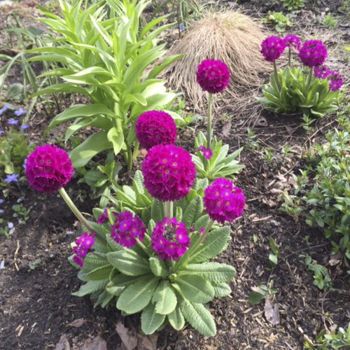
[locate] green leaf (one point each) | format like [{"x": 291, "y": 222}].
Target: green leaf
[
  {"x": 195, "y": 288},
  {"x": 80, "y": 111},
  {"x": 211, "y": 271},
  {"x": 215, "y": 242},
  {"x": 116, "y": 137},
  {"x": 198, "y": 316},
  {"x": 176, "y": 319},
  {"x": 193, "y": 211},
  {"x": 164, "y": 298},
  {"x": 157, "y": 267},
  {"x": 128, "y": 262},
  {"x": 150, "y": 320},
  {"x": 138, "y": 295},
  {"x": 90, "y": 287},
  {"x": 100, "y": 273},
  {"x": 222, "y": 290},
  {"x": 93, "y": 145}
]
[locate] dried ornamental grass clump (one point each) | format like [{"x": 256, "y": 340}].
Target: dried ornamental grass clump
[{"x": 231, "y": 37}]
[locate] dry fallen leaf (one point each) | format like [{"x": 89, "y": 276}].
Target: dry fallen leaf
[
  {"x": 77, "y": 323},
  {"x": 63, "y": 343},
  {"x": 271, "y": 312},
  {"x": 129, "y": 340},
  {"x": 97, "y": 343},
  {"x": 226, "y": 129}
]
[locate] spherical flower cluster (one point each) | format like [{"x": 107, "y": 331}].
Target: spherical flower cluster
[
  {"x": 313, "y": 53},
  {"x": 224, "y": 201},
  {"x": 155, "y": 128},
  {"x": 335, "y": 81},
  {"x": 170, "y": 239},
  {"x": 292, "y": 41},
  {"x": 206, "y": 152},
  {"x": 169, "y": 172},
  {"x": 48, "y": 168},
  {"x": 84, "y": 244},
  {"x": 272, "y": 48},
  {"x": 213, "y": 76},
  {"x": 322, "y": 72},
  {"x": 127, "y": 229}
]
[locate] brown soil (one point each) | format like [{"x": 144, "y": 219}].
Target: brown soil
[{"x": 37, "y": 308}]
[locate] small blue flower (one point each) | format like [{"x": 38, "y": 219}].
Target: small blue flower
[
  {"x": 4, "y": 108},
  {"x": 24, "y": 127},
  {"x": 12, "y": 121},
  {"x": 20, "y": 111},
  {"x": 10, "y": 225},
  {"x": 11, "y": 178},
  {"x": 2, "y": 201},
  {"x": 2, "y": 211}
]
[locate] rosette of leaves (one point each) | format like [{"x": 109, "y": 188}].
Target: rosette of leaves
[
  {"x": 294, "y": 90},
  {"x": 105, "y": 54},
  {"x": 137, "y": 281},
  {"x": 221, "y": 164}
]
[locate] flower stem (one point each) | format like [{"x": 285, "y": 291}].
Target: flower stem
[
  {"x": 169, "y": 209},
  {"x": 74, "y": 209},
  {"x": 276, "y": 75},
  {"x": 129, "y": 158},
  {"x": 290, "y": 57},
  {"x": 210, "y": 119}
]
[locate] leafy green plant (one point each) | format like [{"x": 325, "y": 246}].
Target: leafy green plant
[
  {"x": 322, "y": 279},
  {"x": 137, "y": 280},
  {"x": 331, "y": 340},
  {"x": 292, "y": 5},
  {"x": 106, "y": 55},
  {"x": 330, "y": 21},
  {"x": 280, "y": 21},
  {"x": 261, "y": 293},
  {"x": 294, "y": 90}
]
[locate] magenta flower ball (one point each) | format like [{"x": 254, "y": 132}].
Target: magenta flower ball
[
  {"x": 213, "y": 76},
  {"x": 224, "y": 201},
  {"x": 48, "y": 168},
  {"x": 84, "y": 244},
  {"x": 170, "y": 239},
  {"x": 207, "y": 153},
  {"x": 335, "y": 81},
  {"x": 272, "y": 48},
  {"x": 155, "y": 128},
  {"x": 127, "y": 229},
  {"x": 322, "y": 72},
  {"x": 313, "y": 53},
  {"x": 169, "y": 172},
  {"x": 293, "y": 41}
]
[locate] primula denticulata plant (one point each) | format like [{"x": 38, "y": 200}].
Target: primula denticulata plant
[
  {"x": 150, "y": 251},
  {"x": 310, "y": 89},
  {"x": 106, "y": 55}
]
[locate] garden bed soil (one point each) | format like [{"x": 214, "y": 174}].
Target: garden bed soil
[{"x": 38, "y": 312}]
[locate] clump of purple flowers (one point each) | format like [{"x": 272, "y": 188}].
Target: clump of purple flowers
[
  {"x": 170, "y": 239},
  {"x": 213, "y": 76},
  {"x": 207, "y": 153},
  {"x": 335, "y": 81},
  {"x": 313, "y": 53},
  {"x": 292, "y": 41},
  {"x": 48, "y": 168},
  {"x": 103, "y": 218},
  {"x": 155, "y": 128},
  {"x": 84, "y": 244},
  {"x": 169, "y": 172},
  {"x": 322, "y": 72},
  {"x": 272, "y": 48},
  {"x": 127, "y": 229},
  {"x": 224, "y": 201}
]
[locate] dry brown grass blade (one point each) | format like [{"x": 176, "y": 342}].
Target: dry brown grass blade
[{"x": 229, "y": 36}]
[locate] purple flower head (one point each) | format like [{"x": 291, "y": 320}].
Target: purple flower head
[
  {"x": 313, "y": 53},
  {"x": 20, "y": 111},
  {"x": 103, "y": 217},
  {"x": 272, "y": 48},
  {"x": 24, "y": 127},
  {"x": 206, "y": 152},
  {"x": 127, "y": 229},
  {"x": 2, "y": 201},
  {"x": 170, "y": 239},
  {"x": 155, "y": 128},
  {"x": 4, "y": 108},
  {"x": 292, "y": 41},
  {"x": 335, "y": 81},
  {"x": 10, "y": 225},
  {"x": 213, "y": 76},
  {"x": 84, "y": 244},
  {"x": 48, "y": 168},
  {"x": 322, "y": 72},
  {"x": 224, "y": 201},
  {"x": 12, "y": 178},
  {"x": 169, "y": 172},
  {"x": 12, "y": 121}
]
